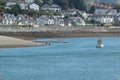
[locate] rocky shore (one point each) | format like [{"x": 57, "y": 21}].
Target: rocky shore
[{"x": 59, "y": 32}]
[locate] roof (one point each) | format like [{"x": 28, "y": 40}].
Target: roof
[
  {"x": 55, "y": 5},
  {"x": 95, "y": 15},
  {"x": 45, "y": 5},
  {"x": 15, "y": 1},
  {"x": 106, "y": 11}
]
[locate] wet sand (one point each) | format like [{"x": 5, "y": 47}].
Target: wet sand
[{"x": 9, "y": 42}]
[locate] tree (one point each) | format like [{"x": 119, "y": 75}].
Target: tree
[
  {"x": 48, "y": 2},
  {"x": 63, "y": 3},
  {"x": 117, "y": 7},
  {"x": 78, "y": 4},
  {"x": 14, "y": 9},
  {"x": 2, "y": 5},
  {"x": 2, "y": 9},
  {"x": 92, "y": 9},
  {"x": 39, "y": 2},
  {"x": 2, "y": 2}
]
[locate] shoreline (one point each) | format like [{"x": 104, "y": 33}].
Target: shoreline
[
  {"x": 36, "y": 35},
  {"x": 24, "y": 39},
  {"x": 10, "y": 42}
]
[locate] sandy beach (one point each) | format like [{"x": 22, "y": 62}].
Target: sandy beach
[{"x": 9, "y": 42}]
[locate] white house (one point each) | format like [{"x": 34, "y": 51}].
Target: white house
[
  {"x": 104, "y": 15},
  {"x": 51, "y": 20},
  {"x": 53, "y": 7},
  {"x": 34, "y": 7},
  {"x": 105, "y": 12},
  {"x": 29, "y": 1},
  {"x": 9, "y": 19},
  {"x": 84, "y": 14},
  {"x": 45, "y": 7},
  {"x": 102, "y": 18},
  {"x": 70, "y": 12},
  {"x": 45, "y": 20}
]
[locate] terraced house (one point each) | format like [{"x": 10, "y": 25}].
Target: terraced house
[{"x": 104, "y": 15}]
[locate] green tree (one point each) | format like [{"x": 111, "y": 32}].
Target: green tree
[
  {"x": 117, "y": 7},
  {"x": 48, "y": 2},
  {"x": 92, "y": 9},
  {"x": 2, "y": 9},
  {"x": 14, "y": 9},
  {"x": 78, "y": 4},
  {"x": 39, "y": 2},
  {"x": 2, "y": 2},
  {"x": 63, "y": 3}
]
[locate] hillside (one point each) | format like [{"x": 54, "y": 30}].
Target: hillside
[
  {"x": 106, "y": 1},
  {"x": 65, "y": 4}
]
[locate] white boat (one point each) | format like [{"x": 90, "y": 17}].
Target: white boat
[{"x": 99, "y": 44}]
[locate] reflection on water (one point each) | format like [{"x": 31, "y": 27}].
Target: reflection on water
[{"x": 78, "y": 59}]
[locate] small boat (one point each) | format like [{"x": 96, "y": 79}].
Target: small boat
[
  {"x": 48, "y": 43},
  {"x": 99, "y": 44},
  {"x": 60, "y": 41}
]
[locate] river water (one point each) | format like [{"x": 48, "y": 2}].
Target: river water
[{"x": 78, "y": 59}]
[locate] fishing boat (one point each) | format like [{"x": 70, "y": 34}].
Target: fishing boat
[{"x": 99, "y": 44}]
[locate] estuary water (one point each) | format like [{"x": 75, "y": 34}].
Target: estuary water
[{"x": 78, "y": 59}]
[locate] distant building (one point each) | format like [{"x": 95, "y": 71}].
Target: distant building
[
  {"x": 9, "y": 19},
  {"x": 53, "y": 7},
  {"x": 29, "y": 1},
  {"x": 34, "y": 6},
  {"x": 51, "y": 20},
  {"x": 104, "y": 15},
  {"x": 102, "y": 18},
  {"x": 105, "y": 12},
  {"x": 70, "y": 12}
]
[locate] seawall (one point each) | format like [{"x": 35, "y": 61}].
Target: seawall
[{"x": 59, "y": 32}]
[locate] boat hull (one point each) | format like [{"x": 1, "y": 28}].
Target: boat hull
[{"x": 100, "y": 46}]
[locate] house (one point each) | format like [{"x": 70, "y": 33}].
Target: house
[
  {"x": 59, "y": 21},
  {"x": 84, "y": 14},
  {"x": 105, "y": 12},
  {"x": 9, "y": 19},
  {"x": 53, "y": 7},
  {"x": 22, "y": 3},
  {"x": 102, "y": 18},
  {"x": 45, "y": 7},
  {"x": 68, "y": 23},
  {"x": 46, "y": 20},
  {"x": 104, "y": 15},
  {"x": 51, "y": 20},
  {"x": 34, "y": 6},
  {"x": 25, "y": 20},
  {"x": 70, "y": 12},
  {"x": 29, "y": 1}
]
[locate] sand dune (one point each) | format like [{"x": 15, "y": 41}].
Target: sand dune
[{"x": 9, "y": 42}]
